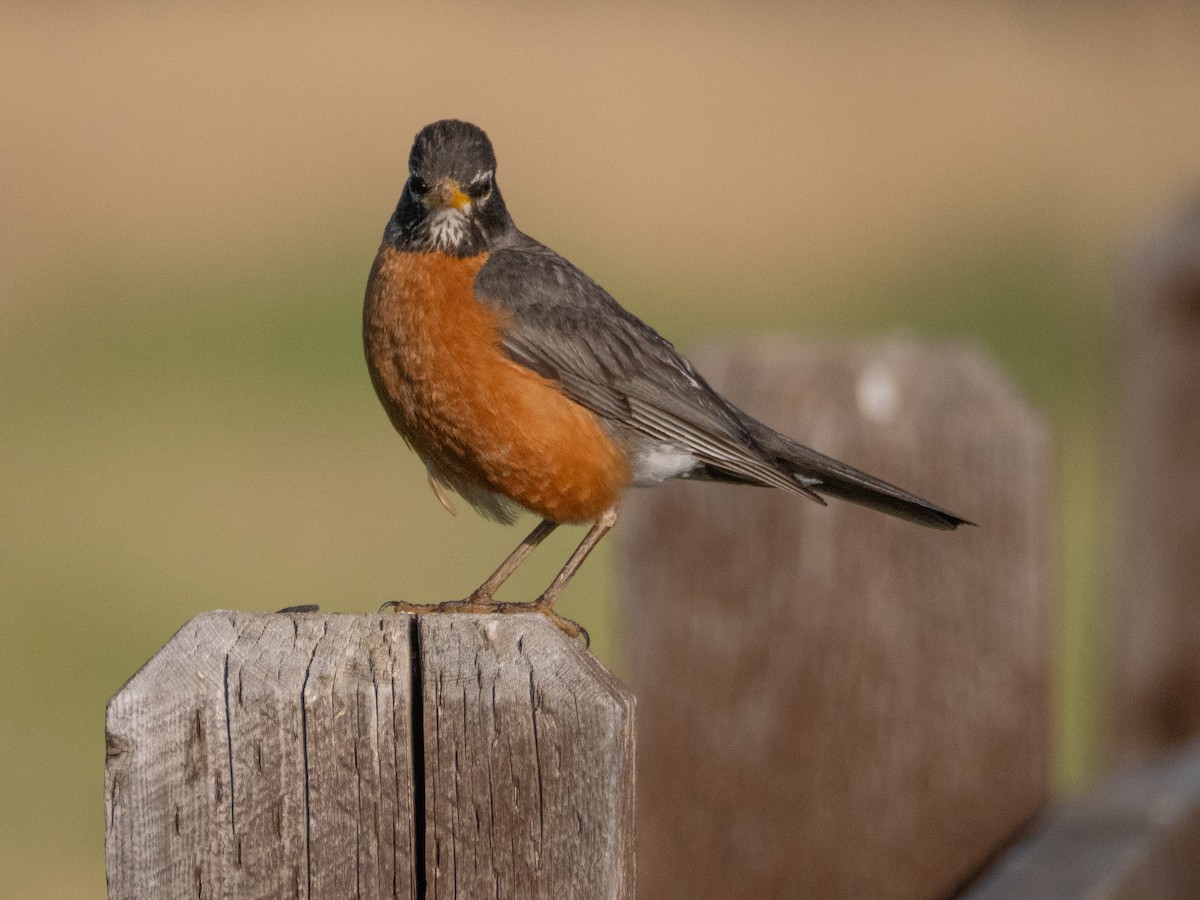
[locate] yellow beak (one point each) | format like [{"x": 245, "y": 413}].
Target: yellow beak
[{"x": 445, "y": 193}]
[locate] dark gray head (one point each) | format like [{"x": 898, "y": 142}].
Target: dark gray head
[{"x": 451, "y": 202}]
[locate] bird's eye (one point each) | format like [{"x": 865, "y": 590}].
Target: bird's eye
[
  {"x": 417, "y": 184},
  {"x": 480, "y": 187}
]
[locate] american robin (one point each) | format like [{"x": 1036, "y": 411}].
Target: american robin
[{"x": 523, "y": 385}]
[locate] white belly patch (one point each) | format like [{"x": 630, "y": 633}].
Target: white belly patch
[{"x": 651, "y": 467}]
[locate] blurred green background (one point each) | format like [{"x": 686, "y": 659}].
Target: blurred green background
[{"x": 192, "y": 194}]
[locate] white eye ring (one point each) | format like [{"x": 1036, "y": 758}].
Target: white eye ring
[{"x": 481, "y": 185}]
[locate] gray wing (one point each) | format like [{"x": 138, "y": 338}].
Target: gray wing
[{"x": 567, "y": 328}]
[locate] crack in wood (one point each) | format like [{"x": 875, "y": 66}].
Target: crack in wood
[
  {"x": 537, "y": 764},
  {"x": 417, "y": 706},
  {"x": 304, "y": 739},
  {"x": 229, "y": 751}
]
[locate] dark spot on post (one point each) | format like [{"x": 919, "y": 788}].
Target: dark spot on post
[
  {"x": 196, "y": 752},
  {"x": 114, "y": 746},
  {"x": 300, "y": 608}
]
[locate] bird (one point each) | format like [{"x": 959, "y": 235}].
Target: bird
[{"x": 523, "y": 385}]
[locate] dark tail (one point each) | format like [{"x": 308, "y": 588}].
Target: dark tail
[{"x": 826, "y": 475}]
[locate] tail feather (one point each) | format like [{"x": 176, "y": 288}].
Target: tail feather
[{"x": 826, "y": 475}]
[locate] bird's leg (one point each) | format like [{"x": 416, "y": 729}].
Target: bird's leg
[
  {"x": 482, "y": 598},
  {"x": 486, "y": 591},
  {"x": 545, "y": 603}
]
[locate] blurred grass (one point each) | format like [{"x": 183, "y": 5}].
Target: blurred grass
[{"x": 212, "y": 440}]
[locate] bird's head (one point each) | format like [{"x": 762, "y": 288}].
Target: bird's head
[{"x": 451, "y": 202}]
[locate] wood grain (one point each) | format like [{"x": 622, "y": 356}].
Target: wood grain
[
  {"x": 529, "y": 763},
  {"x": 277, "y": 756},
  {"x": 834, "y": 703},
  {"x": 264, "y": 756}
]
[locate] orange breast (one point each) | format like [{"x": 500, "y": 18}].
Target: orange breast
[{"x": 479, "y": 421}]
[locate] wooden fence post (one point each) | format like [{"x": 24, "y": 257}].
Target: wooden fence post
[
  {"x": 834, "y": 703},
  {"x": 1156, "y": 689},
  {"x": 1137, "y": 837},
  {"x": 333, "y": 756}
]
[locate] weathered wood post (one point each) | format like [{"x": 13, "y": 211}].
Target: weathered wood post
[
  {"x": 833, "y": 703},
  {"x": 334, "y": 756},
  {"x": 1156, "y": 678}
]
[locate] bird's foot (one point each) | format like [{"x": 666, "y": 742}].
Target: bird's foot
[{"x": 482, "y": 604}]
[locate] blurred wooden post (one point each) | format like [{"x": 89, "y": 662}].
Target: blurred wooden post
[
  {"x": 1156, "y": 688},
  {"x": 1135, "y": 838},
  {"x": 283, "y": 756},
  {"x": 834, "y": 703}
]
